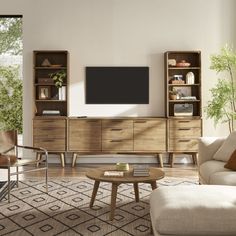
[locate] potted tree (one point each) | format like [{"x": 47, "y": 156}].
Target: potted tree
[{"x": 222, "y": 107}]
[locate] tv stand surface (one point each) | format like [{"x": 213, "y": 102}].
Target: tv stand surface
[{"x": 119, "y": 135}]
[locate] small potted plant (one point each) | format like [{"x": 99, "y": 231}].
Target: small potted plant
[
  {"x": 58, "y": 78},
  {"x": 173, "y": 94}
]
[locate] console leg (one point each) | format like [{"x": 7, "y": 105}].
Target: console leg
[
  {"x": 172, "y": 157},
  {"x": 74, "y": 159},
  {"x": 62, "y": 156},
  {"x": 160, "y": 160}
]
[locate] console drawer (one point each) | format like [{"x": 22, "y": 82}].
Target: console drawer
[
  {"x": 50, "y": 144},
  {"x": 49, "y": 132},
  {"x": 117, "y": 133},
  {"x": 184, "y": 132},
  {"x": 183, "y": 144},
  {"x": 49, "y": 123},
  {"x": 185, "y": 123},
  {"x": 117, "y": 145}
]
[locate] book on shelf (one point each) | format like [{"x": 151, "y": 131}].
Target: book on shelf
[{"x": 113, "y": 173}]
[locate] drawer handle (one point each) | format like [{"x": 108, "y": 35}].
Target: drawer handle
[
  {"x": 116, "y": 129},
  {"x": 92, "y": 121},
  {"x": 48, "y": 128},
  {"x": 184, "y": 141},
  {"x": 48, "y": 140},
  {"x": 141, "y": 121},
  {"x": 184, "y": 121},
  {"x": 184, "y": 129},
  {"x": 116, "y": 141}
]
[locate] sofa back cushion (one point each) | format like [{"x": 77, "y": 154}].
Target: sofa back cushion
[{"x": 227, "y": 148}]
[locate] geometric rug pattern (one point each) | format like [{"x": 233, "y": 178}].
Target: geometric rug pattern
[{"x": 65, "y": 209}]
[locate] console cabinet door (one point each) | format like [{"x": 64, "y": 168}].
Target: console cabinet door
[
  {"x": 150, "y": 135},
  {"x": 84, "y": 135},
  {"x": 184, "y": 134},
  {"x": 50, "y": 134}
]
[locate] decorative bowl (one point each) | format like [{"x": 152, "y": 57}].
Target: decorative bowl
[{"x": 183, "y": 63}]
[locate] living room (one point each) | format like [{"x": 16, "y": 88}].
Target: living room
[{"x": 112, "y": 33}]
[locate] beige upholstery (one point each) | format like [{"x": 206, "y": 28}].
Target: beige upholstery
[
  {"x": 193, "y": 210},
  {"x": 9, "y": 158},
  {"x": 212, "y": 171}
]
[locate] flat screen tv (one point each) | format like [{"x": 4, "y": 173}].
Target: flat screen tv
[{"x": 117, "y": 85}]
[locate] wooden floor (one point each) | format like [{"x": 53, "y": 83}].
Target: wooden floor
[{"x": 55, "y": 170}]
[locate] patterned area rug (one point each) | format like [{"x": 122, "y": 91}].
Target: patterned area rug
[{"x": 65, "y": 209}]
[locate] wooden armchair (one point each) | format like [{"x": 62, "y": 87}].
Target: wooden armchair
[{"x": 9, "y": 150}]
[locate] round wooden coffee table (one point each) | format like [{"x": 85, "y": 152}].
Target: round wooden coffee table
[{"x": 98, "y": 175}]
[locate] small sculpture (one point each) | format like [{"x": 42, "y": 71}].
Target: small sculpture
[
  {"x": 46, "y": 62},
  {"x": 190, "y": 78}
]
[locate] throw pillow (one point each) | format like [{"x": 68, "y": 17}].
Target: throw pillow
[
  {"x": 231, "y": 164},
  {"x": 227, "y": 148}
]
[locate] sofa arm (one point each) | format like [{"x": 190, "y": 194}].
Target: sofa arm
[{"x": 207, "y": 147}]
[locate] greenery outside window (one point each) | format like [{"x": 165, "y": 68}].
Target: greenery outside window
[{"x": 11, "y": 86}]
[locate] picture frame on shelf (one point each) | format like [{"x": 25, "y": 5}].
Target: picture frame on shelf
[
  {"x": 44, "y": 92},
  {"x": 183, "y": 91}
]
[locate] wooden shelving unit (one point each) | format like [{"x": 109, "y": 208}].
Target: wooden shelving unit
[
  {"x": 184, "y": 111},
  {"x": 184, "y": 89},
  {"x": 47, "y": 95},
  {"x": 50, "y": 131}
]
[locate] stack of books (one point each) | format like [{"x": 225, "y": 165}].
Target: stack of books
[
  {"x": 114, "y": 173},
  {"x": 140, "y": 170}
]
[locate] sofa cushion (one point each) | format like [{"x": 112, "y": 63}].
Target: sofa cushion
[
  {"x": 194, "y": 210},
  {"x": 208, "y": 168},
  {"x": 227, "y": 148},
  {"x": 231, "y": 164},
  {"x": 223, "y": 178}
]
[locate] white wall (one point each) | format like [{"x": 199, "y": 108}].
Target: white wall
[{"x": 115, "y": 32}]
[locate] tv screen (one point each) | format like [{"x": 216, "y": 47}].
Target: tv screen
[{"x": 117, "y": 85}]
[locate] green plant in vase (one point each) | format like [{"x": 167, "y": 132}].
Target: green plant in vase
[
  {"x": 58, "y": 78},
  {"x": 222, "y": 107},
  {"x": 173, "y": 94}
]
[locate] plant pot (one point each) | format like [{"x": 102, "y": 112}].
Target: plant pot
[{"x": 173, "y": 96}]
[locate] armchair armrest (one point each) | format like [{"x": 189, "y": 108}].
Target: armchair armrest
[
  {"x": 207, "y": 147},
  {"x": 42, "y": 150}
]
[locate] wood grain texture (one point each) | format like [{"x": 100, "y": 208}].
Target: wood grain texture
[
  {"x": 84, "y": 135},
  {"x": 97, "y": 174}
]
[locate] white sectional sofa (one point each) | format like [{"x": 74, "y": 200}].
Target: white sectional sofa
[
  {"x": 207, "y": 210},
  {"x": 212, "y": 171}
]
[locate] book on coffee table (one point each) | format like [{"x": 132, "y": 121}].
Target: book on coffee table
[
  {"x": 113, "y": 173},
  {"x": 140, "y": 170}
]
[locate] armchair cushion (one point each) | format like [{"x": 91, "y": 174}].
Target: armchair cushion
[
  {"x": 227, "y": 148},
  {"x": 231, "y": 164},
  {"x": 6, "y": 160}
]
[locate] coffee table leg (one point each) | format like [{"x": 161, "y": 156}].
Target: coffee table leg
[
  {"x": 136, "y": 192},
  {"x": 154, "y": 185},
  {"x": 113, "y": 200},
  {"x": 95, "y": 189}
]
